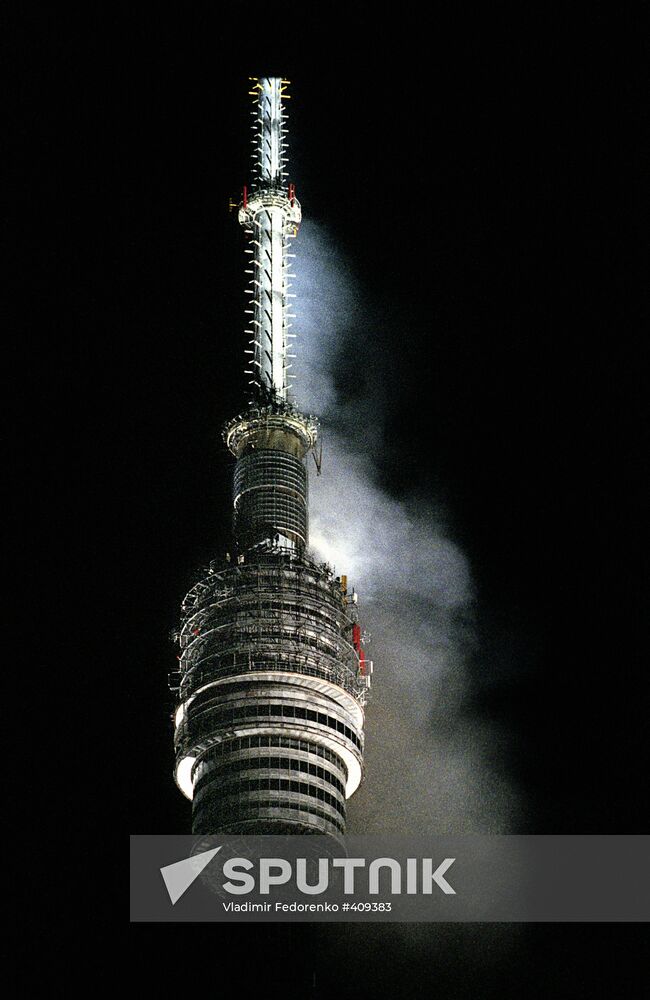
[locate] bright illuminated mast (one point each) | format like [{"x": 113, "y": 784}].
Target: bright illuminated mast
[
  {"x": 272, "y": 675},
  {"x": 270, "y": 218}
]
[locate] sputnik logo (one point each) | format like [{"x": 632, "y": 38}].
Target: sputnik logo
[{"x": 179, "y": 876}]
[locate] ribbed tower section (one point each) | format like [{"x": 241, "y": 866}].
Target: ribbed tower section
[{"x": 272, "y": 677}]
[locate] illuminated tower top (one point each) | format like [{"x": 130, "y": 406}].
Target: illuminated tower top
[
  {"x": 270, "y": 214},
  {"x": 272, "y": 675}
]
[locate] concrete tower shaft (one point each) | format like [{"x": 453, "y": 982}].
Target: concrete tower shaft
[{"x": 270, "y": 484}]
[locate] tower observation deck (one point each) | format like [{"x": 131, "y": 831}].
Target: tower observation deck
[{"x": 272, "y": 676}]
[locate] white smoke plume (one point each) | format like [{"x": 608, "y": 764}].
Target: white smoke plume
[{"x": 427, "y": 754}]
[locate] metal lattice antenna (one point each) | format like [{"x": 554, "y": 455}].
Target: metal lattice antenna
[{"x": 270, "y": 216}]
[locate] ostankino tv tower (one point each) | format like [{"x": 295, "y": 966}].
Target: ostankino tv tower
[{"x": 272, "y": 676}]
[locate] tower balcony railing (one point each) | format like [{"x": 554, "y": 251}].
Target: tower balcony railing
[
  {"x": 281, "y": 617},
  {"x": 257, "y": 636},
  {"x": 344, "y": 678},
  {"x": 252, "y": 575}
]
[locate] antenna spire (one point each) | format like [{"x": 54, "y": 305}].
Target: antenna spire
[{"x": 270, "y": 214}]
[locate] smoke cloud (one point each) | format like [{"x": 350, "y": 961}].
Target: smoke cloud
[{"x": 427, "y": 751}]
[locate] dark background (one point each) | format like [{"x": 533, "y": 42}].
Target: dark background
[{"x": 484, "y": 176}]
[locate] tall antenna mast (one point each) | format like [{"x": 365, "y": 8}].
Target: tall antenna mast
[{"x": 270, "y": 216}]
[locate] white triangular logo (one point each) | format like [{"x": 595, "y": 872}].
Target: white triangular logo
[{"x": 179, "y": 876}]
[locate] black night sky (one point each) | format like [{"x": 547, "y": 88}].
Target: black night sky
[{"x": 483, "y": 178}]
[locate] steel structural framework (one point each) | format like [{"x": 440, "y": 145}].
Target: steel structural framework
[{"x": 272, "y": 676}]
